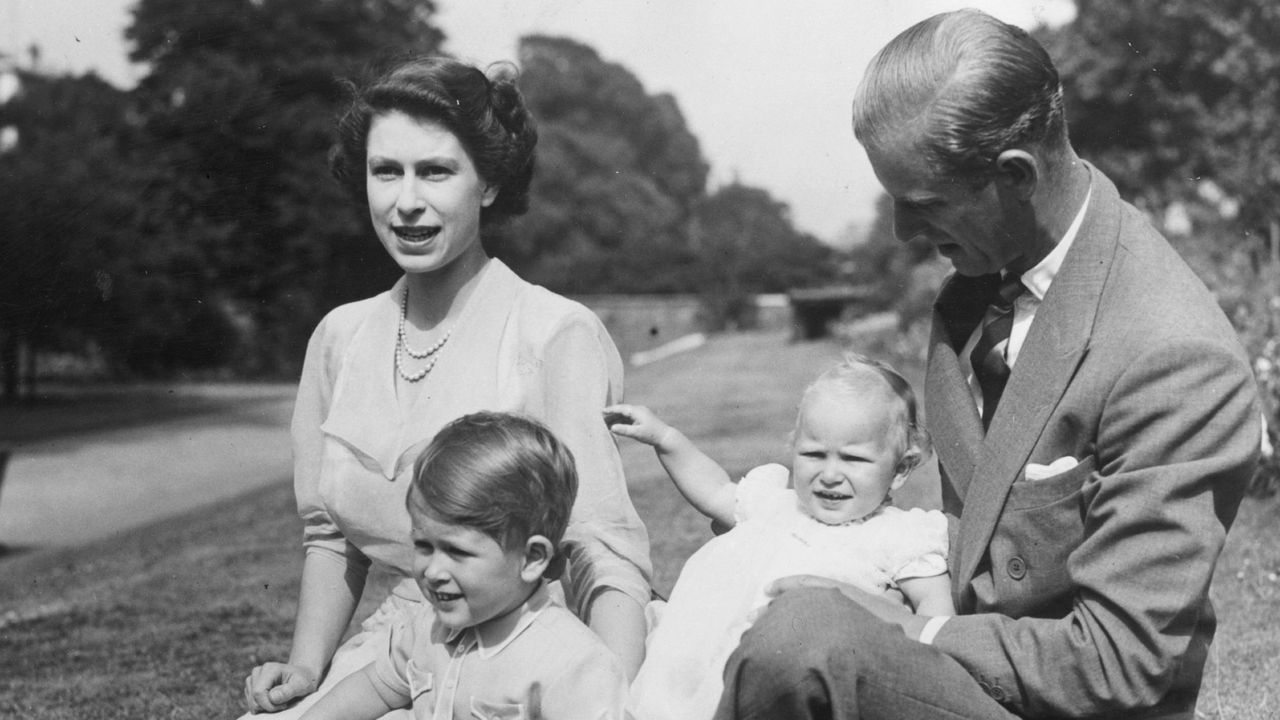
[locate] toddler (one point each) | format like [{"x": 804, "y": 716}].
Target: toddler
[
  {"x": 489, "y": 503},
  {"x": 856, "y": 439}
]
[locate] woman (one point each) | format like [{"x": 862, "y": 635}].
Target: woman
[{"x": 439, "y": 150}]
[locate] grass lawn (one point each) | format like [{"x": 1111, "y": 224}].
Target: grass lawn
[{"x": 163, "y": 622}]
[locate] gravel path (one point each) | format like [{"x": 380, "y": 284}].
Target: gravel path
[{"x": 73, "y": 490}]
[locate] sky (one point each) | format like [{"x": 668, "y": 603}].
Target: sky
[{"x": 764, "y": 85}]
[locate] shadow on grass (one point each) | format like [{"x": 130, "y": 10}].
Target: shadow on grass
[
  {"x": 9, "y": 551},
  {"x": 63, "y": 412}
]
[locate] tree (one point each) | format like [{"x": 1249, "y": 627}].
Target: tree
[
  {"x": 745, "y": 243},
  {"x": 1179, "y": 102},
  {"x": 1165, "y": 94},
  {"x": 239, "y": 106},
  {"x": 65, "y": 197},
  {"x": 618, "y": 176},
  {"x": 619, "y": 200}
]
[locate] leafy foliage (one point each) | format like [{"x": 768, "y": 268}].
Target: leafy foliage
[
  {"x": 618, "y": 175},
  {"x": 65, "y": 199},
  {"x": 1179, "y": 102},
  {"x": 239, "y": 105},
  {"x": 619, "y": 203},
  {"x": 1168, "y": 93},
  {"x": 746, "y": 244},
  {"x": 191, "y": 222}
]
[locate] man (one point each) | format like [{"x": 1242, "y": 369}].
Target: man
[{"x": 1095, "y": 420}]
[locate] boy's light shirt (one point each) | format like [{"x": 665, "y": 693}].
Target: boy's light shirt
[
  {"x": 549, "y": 659},
  {"x": 464, "y": 639}
]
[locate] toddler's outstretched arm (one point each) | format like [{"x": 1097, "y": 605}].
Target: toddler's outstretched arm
[{"x": 699, "y": 478}]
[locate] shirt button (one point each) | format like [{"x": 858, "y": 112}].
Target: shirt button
[{"x": 1016, "y": 567}]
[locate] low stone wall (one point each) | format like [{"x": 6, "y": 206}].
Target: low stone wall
[
  {"x": 641, "y": 323},
  {"x": 644, "y": 322}
]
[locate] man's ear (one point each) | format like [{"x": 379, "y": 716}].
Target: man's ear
[
  {"x": 488, "y": 195},
  {"x": 1018, "y": 172},
  {"x": 538, "y": 551}
]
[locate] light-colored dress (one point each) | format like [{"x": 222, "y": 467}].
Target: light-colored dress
[
  {"x": 516, "y": 347},
  {"x": 721, "y": 589},
  {"x": 550, "y": 666}
]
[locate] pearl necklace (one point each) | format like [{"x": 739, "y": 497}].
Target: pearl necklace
[{"x": 402, "y": 347}]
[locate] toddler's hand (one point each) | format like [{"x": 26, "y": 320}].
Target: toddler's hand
[{"x": 636, "y": 422}]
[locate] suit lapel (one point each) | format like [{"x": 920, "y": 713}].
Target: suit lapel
[
  {"x": 1054, "y": 347},
  {"x": 949, "y": 409}
]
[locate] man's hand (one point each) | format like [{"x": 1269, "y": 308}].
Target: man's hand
[
  {"x": 273, "y": 686},
  {"x": 888, "y": 606}
]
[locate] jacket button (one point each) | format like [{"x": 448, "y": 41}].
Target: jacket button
[
  {"x": 997, "y": 693},
  {"x": 1016, "y": 567}
]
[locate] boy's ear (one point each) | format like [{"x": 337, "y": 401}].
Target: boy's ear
[{"x": 538, "y": 551}]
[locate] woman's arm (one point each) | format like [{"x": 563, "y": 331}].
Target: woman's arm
[
  {"x": 608, "y": 576},
  {"x": 333, "y": 573},
  {"x": 619, "y": 620},
  {"x": 699, "y": 479},
  {"x": 330, "y": 592}
]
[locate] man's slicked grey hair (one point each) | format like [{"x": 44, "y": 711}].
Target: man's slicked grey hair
[{"x": 966, "y": 86}]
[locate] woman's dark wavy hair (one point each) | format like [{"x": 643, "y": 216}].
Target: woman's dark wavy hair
[
  {"x": 502, "y": 474},
  {"x": 969, "y": 86},
  {"x": 484, "y": 111}
]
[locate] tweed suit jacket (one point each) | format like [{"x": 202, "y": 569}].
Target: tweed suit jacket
[{"x": 1086, "y": 593}]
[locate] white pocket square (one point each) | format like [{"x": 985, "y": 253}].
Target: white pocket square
[{"x": 1036, "y": 471}]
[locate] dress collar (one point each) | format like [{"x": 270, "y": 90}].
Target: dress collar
[{"x": 365, "y": 411}]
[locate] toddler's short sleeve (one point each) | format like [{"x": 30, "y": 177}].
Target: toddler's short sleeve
[
  {"x": 763, "y": 492},
  {"x": 921, "y": 548}
]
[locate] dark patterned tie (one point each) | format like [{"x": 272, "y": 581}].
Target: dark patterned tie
[{"x": 988, "y": 354}]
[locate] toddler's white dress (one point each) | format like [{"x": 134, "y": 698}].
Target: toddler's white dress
[{"x": 721, "y": 589}]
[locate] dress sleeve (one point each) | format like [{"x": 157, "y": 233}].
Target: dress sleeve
[
  {"x": 606, "y": 543},
  {"x": 320, "y": 534},
  {"x": 763, "y": 492},
  {"x": 922, "y": 541}
]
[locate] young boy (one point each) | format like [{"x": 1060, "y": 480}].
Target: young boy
[{"x": 490, "y": 499}]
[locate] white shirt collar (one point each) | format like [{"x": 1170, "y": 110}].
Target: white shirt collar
[{"x": 1038, "y": 278}]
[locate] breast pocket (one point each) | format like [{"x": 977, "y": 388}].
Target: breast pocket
[
  {"x": 1042, "y": 524},
  {"x": 421, "y": 685},
  {"x": 483, "y": 710}
]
